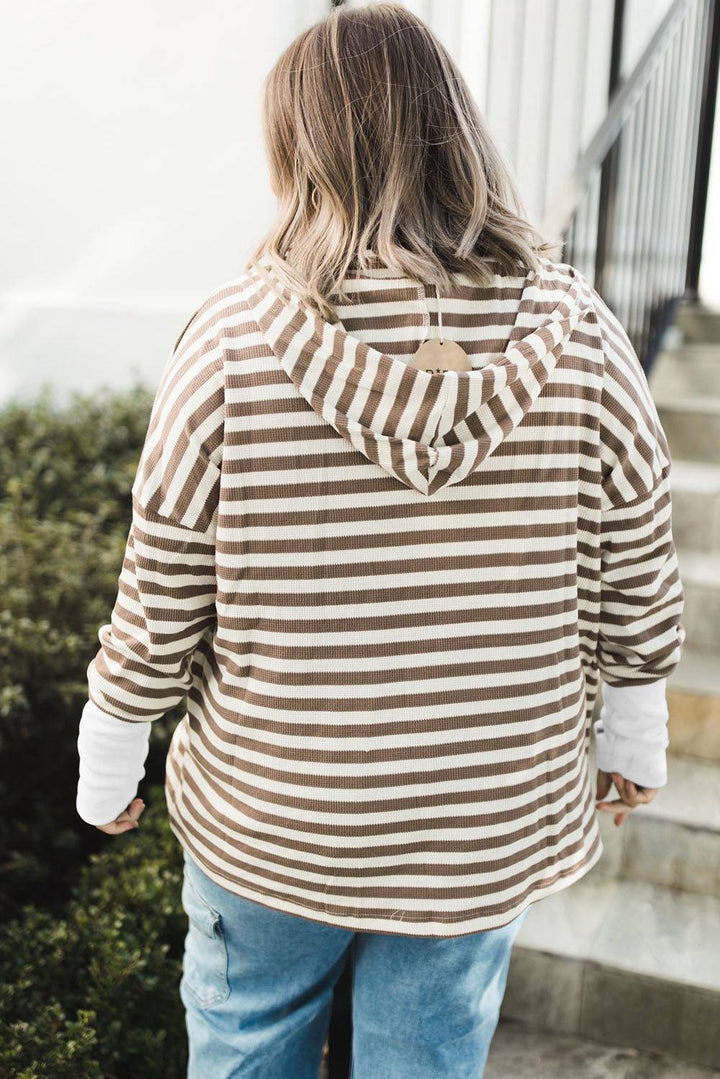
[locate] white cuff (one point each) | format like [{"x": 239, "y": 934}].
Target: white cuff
[
  {"x": 112, "y": 755},
  {"x": 631, "y": 735}
]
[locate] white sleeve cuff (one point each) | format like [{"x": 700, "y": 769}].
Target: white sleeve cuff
[
  {"x": 631, "y": 735},
  {"x": 112, "y": 755}
]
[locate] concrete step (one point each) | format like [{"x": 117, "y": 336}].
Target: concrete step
[
  {"x": 693, "y": 695},
  {"x": 623, "y": 963},
  {"x": 691, "y": 424},
  {"x": 698, "y": 323},
  {"x": 685, "y": 385},
  {"x": 692, "y": 370},
  {"x": 700, "y": 574},
  {"x": 696, "y": 505},
  {"x": 518, "y": 1051},
  {"x": 673, "y": 841}
]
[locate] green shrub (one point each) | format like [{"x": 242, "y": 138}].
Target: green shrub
[
  {"x": 94, "y": 992},
  {"x": 74, "y": 463},
  {"x": 65, "y": 507},
  {"x": 91, "y": 926}
]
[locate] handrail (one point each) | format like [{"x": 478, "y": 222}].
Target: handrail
[
  {"x": 702, "y": 172},
  {"x": 640, "y": 241},
  {"x": 558, "y": 219}
]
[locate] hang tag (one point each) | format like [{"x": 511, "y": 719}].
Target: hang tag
[{"x": 434, "y": 357}]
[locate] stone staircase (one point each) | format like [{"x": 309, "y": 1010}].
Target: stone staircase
[{"x": 625, "y": 964}]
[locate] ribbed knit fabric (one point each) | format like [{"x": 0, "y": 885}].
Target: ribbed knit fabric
[{"x": 388, "y": 594}]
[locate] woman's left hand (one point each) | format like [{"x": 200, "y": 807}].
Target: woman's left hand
[
  {"x": 127, "y": 820},
  {"x": 631, "y": 794}
]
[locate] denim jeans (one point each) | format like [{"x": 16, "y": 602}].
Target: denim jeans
[{"x": 257, "y": 987}]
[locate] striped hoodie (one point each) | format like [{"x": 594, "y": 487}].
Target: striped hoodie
[{"x": 388, "y": 596}]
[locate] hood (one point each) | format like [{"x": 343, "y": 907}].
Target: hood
[{"x": 427, "y": 430}]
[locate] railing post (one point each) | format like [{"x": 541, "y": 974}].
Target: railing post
[
  {"x": 609, "y": 170},
  {"x": 704, "y": 150}
]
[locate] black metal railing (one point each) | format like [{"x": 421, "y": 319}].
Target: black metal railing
[{"x": 632, "y": 215}]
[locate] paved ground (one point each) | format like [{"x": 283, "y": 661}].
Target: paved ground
[{"x": 520, "y": 1053}]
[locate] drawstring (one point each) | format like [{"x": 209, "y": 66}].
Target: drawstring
[{"x": 437, "y": 293}]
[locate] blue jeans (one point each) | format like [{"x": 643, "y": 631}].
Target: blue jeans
[{"x": 257, "y": 987}]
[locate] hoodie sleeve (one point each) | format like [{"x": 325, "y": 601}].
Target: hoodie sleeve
[
  {"x": 112, "y": 763},
  {"x": 640, "y": 631},
  {"x": 166, "y": 589},
  {"x": 631, "y": 733}
]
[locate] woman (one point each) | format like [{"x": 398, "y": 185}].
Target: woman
[{"x": 387, "y": 579}]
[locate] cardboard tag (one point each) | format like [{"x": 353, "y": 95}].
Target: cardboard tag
[{"x": 434, "y": 357}]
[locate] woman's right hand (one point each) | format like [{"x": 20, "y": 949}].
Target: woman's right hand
[{"x": 631, "y": 794}]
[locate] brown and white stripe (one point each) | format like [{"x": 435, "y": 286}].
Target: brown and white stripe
[{"x": 389, "y": 595}]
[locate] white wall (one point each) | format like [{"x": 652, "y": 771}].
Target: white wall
[
  {"x": 136, "y": 178},
  {"x": 642, "y": 18}
]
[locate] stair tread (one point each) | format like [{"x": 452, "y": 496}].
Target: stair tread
[
  {"x": 643, "y": 929},
  {"x": 688, "y": 352},
  {"x": 700, "y": 476},
  {"x": 697, "y": 672},
  {"x": 691, "y": 795},
  {"x": 699, "y": 566},
  {"x": 525, "y": 1052},
  {"x": 697, "y": 354},
  {"x": 685, "y": 402}
]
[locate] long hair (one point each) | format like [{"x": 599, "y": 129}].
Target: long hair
[{"x": 376, "y": 145}]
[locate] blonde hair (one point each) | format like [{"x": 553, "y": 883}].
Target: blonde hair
[{"x": 375, "y": 144}]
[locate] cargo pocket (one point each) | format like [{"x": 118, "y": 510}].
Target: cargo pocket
[{"x": 205, "y": 959}]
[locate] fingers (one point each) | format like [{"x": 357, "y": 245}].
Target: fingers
[
  {"x": 134, "y": 810},
  {"x": 604, "y": 781},
  {"x": 612, "y": 807},
  {"x": 603, "y": 784},
  {"x": 125, "y": 821},
  {"x": 630, "y": 795},
  {"x": 639, "y": 794},
  {"x": 116, "y": 827}
]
